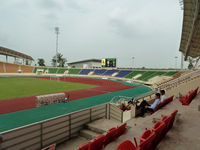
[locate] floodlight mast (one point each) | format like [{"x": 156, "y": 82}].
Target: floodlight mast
[{"x": 57, "y": 32}]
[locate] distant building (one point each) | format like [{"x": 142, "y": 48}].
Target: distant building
[{"x": 89, "y": 63}]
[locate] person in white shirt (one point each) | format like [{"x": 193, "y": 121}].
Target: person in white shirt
[
  {"x": 163, "y": 96},
  {"x": 145, "y": 106}
]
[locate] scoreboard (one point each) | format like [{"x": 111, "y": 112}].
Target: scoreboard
[{"x": 108, "y": 62}]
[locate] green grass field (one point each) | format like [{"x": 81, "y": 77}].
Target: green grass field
[{"x": 23, "y": 87}]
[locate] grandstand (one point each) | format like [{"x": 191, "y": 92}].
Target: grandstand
[
  {"x": 6, "y": 67},
  {"x": 15, "y": 68},
  {"x": 136, "y": 75}
]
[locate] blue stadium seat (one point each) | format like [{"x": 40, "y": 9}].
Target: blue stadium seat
[
  {"x": 110, "y": 72},
  {"x": 85, "y": 71},
  {"x": 99, "y": 71},
  {"x": 123, "y": 73}
]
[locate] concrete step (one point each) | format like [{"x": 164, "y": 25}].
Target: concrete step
[
  {"x": 95, "y": 129},
  {"x": 101, "y": 126},
  {"x": 88, "y": 134}
]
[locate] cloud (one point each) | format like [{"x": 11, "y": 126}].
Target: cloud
[
  {"x": 50, "y": 4},
  {"x": 76, "y": 5},
  {"x": 124, "y": 23}
]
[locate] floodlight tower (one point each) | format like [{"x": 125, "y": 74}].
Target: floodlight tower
[
  {"x": 57, "y": 32},
  {"x": 181, "y": 3}
]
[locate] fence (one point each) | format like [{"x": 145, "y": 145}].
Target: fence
[{"x": 56, "y": 130}]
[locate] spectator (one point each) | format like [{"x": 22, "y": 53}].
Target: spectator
[
  {"x": 163, "y": 96},
  {"x": 145, "y": 106}
]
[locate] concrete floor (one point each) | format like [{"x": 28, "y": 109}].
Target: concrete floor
[{"x": 183, "y": 136}]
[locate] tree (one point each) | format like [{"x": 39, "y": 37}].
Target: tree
[
  {"x": 191, "y": 61},
  {"x": 41, "y": 62},
  {"x": 60, "y": 60}
]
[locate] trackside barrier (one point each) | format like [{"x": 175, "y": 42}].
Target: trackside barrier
[{"x": 55, "y": 130}]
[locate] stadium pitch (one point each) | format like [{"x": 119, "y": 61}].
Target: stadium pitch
[{"x": 23, "y": 87}]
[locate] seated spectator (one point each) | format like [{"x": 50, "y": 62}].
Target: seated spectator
[
  {"x": 145, "y": 106},
  {"x": 163, "y": 96}
]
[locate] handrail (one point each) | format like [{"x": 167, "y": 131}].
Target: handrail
[{"x": 188, "y": 75}]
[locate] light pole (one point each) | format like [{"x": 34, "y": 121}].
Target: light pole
[
  {"x": 181, "y": 61},
  {"x": 176, "y": 62},
  {"x": 57, "y": 32},
  {"x": 133, "y": 61}
]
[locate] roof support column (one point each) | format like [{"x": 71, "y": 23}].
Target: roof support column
[{"x": 6, "y": 58}]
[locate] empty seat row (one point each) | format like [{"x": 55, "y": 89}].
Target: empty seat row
[
  {"x": 110, "y": 72},
  {"x": 186, "y": 100},
  {"x": 85, "y": 71},
  {"x": 102, "y": 140},
  {"x": 123, "y": 73},
  {"x": 151, "y": 137},
  {"x": 99, "y": 71}
]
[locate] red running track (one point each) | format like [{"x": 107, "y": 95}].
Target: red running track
[{"x": 103, "y": 87}]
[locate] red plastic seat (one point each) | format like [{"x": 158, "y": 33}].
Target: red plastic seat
[
  {"x": 169, "y": 120},
  {"x": 51, "y": 147},
  {"x": 173, "y": 115},
  {"x": 186, "y": 100},
  {"x": 126, "y": 145},
  {"x": 158, "y": 128},
  {"x": 97, "y": 144},
  {"x": 110, "y": 136},
  {"x": 85, "y": 146},
  {"x": 121, "y": 129},
  {"x": 166, "y": 120},
  {"x": 165, "y": 102},
  {"x": 146, "y": 140}
]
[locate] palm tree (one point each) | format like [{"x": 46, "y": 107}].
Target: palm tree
[
  {"x": 191, "y": 61},
  {"x": 41, "y": 62},
  {"x": 60, "y": 60}
]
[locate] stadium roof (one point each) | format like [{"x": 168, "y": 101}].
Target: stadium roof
[
  {"x": 83, "y": 61},
  {"x": 190, "y": 40},
  {"x": 13, "y": 53}
]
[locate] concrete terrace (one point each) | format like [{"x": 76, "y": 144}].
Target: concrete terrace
[{"x": 183, "y": 136}]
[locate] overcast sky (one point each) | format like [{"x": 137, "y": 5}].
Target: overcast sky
[{"x": 150, "y": 30}]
